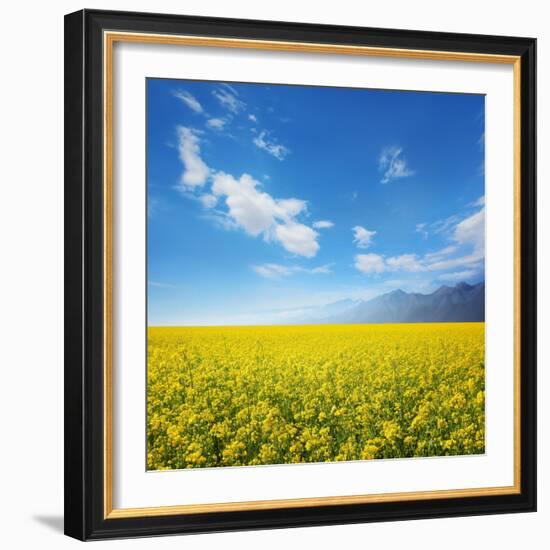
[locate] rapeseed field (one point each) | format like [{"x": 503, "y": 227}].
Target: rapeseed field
[{"x": 238, "y": 396}]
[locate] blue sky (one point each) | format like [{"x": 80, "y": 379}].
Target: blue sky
[{"x": 266, "y": 199}]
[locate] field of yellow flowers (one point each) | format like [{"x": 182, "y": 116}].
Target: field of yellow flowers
[{"x": 228, "y": 396}]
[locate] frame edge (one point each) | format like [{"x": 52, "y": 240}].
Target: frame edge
[{"x": 74, "y": 270}]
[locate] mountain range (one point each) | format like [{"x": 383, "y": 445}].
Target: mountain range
[{"x": 460, "y": 303}]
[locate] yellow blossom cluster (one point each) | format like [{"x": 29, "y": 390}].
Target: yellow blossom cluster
[{"x": 235, "y": 396}]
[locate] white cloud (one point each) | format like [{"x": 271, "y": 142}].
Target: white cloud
[
  {"x": 258, "y": 213},
  {"x": 370, "y": 263},
  {"x": 253, "y": 118},
  {"x": 277, "y": 271},
  {"x": 323, "y": 224},
  {"x": 250, "y": 208},
  {"x": 217, "y": 123},
  {"x": 375, "y": 263},
  {"x": 392, "y": 165},
  {"x": 297, "y": 238},
  {"x": 472, "y": 231},
  {"x": 292, "y": 207},
  {"x": 208, "y": 200},
  {"x": 227, "y": 96},
  {"x": 277, "y": 150},
  {"x": 195, "y": 169},
  {"x": 362, "y": 237},
  {"x": 467, "y": 253},
  {"x": 468, "y": 234},
  {"x": 189, "y": 100},
  {"x": 405, "y": 262}
]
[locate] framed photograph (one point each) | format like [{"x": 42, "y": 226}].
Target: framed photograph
[{"x": 300, "y": 274}]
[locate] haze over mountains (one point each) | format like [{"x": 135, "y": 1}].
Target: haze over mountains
[{"x": 460, "y": 303}]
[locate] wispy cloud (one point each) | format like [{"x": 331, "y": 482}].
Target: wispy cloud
[
  {"x": 325, "y": 269},
  {"x": 481, "y": 140},
  {"x": 221, "y": 219},
  {"x": 263, "y": 141},
  {"x": 208, "y": 200},
  {"x": 272, "y": 271},
  {"x": 421, "y": 228},
  {"x": 458, "y": 276},
  {"x": 160, "y": 285},
  {"x": 230, "y": 88},
  {"x": 466, "y": 253},
  {"x": 277, "y": 271},
  {"x": 253, "y": 118},
  {"x": 445, "y": 225},
  {"x": 322, "y": 224},
  {"x": 152, "y": 206},
  {"x": 439, "y": 254},
  {"x": 195, "y": 170},
  {"x": 480, "y": 201},
  {"x": 189, "y": 100},
  {"x": 228, "y": 98},
  {"x": 392, "y": 165},
  {"x": 226, "y": 95},
  {"x": 468, "y": 234},
  {"x": 362, "y": 237},
  {"x": 217, "y": 123}
]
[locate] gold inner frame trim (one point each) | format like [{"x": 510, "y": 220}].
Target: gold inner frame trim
[{"x": 109, "y": 39}]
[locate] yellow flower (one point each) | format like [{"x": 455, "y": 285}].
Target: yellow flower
[{"x": 285, "y": 394}]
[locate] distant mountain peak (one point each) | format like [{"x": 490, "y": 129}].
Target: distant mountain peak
[
  {"x": 397, "y": 292},
  {"x": 443, "y": 289},
  {"x": 460, "y": 303},
  {"x": 463, "y": 286}
]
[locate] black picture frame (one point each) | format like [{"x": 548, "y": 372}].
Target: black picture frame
[{"x": 84, "y": 281}]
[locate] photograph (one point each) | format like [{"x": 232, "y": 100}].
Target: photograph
[{"x": 315, "y": 274}]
